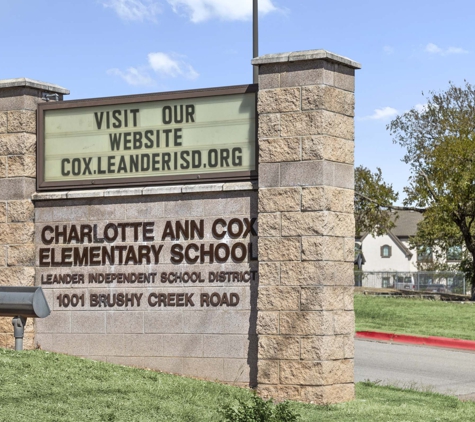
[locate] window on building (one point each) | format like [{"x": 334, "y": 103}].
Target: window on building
[
  {"x": 454, "y": 253},
  {"x": 424, "y": 254},
  {"x": 386, "y": 251}
]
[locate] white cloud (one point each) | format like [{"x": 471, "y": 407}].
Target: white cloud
[
  {"x": 171, "y": 66},
  {"x": 195, "y": 10},
  {"x": 162, "y": 64},
  {"x": 456, "y": 50},
  {"x": 388, "y": 49},
  {"x": 432, "y": 48},
  {"x": 133, "y": 76},
  {"x": 202, "y": 10},
  {"x": 435, "y": 49},
  {"x": 420, "y": 107},
  {"x": 381, "y": 113},
  {"x": 134, "y": 10}
]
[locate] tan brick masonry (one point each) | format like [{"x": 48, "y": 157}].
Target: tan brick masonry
[{"x": 306, "y": 230}]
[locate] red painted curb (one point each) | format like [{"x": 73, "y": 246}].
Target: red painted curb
[{"x": 451, "y": 343}]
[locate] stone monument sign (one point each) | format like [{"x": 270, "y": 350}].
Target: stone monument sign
[{"x": 207, "y": 233}]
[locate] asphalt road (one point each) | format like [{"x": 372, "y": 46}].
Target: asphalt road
[{"x": 427, "y": 368}]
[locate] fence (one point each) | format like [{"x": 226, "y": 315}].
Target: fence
[{"x": 441, "y": 282}]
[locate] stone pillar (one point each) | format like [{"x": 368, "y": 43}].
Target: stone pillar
[
  {"x": 18, "y": 100},
  {"x": 306, "y": 226}
]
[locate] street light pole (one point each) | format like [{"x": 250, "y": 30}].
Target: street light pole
[{"x": 255, "y": 37}]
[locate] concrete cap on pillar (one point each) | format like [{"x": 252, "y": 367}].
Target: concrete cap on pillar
[
  {"x": 31, "y": 83},
  {"x": 25, "y": 94},
  {"x": 305, "y": 55}
]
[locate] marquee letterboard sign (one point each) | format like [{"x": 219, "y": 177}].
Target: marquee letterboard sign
[{"x": 182, "y": 137}]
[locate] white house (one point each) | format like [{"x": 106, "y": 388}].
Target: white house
[
  {"x": 388, "y": 260},
  {"x": 391, "y": 252}
]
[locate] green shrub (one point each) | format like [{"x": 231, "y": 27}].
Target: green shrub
[{"x": 259, "y": 410}]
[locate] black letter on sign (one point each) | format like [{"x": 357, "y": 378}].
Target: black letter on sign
[
  {"x": 167, "y": 115},
  {"x": 63, "y": 171},
  {"x": 99, "y": 119},
  {"x": 87, "y": 166}
]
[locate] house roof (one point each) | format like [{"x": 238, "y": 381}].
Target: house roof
[
  {"x": 406, "y": 224},
  {"x": 400, "y": 245}
]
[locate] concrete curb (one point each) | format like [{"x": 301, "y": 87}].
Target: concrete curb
[{"x": 450, "y": 343}]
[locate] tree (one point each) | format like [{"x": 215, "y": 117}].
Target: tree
[{"x": 439, "y": 140}]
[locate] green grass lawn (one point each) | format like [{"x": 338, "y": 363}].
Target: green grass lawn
[
  {"x": 415, "y": 316},
  {"x": 40, "y": 386}
]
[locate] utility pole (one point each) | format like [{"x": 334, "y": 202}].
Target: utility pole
[{"x": 255, "y": 37}]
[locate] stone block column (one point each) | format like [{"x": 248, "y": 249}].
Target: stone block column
[
  {"x": 18, "y": 100},
  {"x": 306, "y": 226}
]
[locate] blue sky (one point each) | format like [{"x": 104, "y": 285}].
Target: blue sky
[{"x": 100, "y": 48}]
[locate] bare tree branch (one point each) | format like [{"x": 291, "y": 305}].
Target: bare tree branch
[
  {"x": 434, "y": 196},
  {"x": 391, "y": 207}
]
